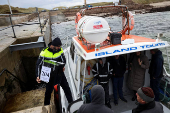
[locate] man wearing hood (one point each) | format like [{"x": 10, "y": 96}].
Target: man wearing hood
[
  {"x": 97, "y": 104},
  {"x": 53, "y": 52},
  {"x": 156, "y": 71},
  {"x": 145, "y": 97}
]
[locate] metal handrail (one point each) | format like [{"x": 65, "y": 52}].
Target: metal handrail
[
  {"x": 16, "y": 14},
  {"x": 5, "y": 70},
  {"x": 17, "y": 25},
  {"x": 20, "y": 24}
]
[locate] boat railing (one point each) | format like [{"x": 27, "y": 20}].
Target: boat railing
[
  {"x": 107, "y": 6},
  {"x": 123, "y": 9},
  {"x": 65, "y": 45}
]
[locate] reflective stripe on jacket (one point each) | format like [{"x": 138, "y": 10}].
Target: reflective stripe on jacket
[
  {"x": 46, "y": 55},
  {"x": 102, "y": 73}
]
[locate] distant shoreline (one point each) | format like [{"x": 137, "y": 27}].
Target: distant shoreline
[{"x": 147, "y": 8}]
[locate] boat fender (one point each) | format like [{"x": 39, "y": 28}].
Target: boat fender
[
  {"x": 78, "y": 17},
  {"x": 132, "y": 22}
]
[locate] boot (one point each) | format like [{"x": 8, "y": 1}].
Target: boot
[
  {"x": 115, "y": 102},
  {"x": 123, "y": 99},
  {"x": 108, "y": 105}
]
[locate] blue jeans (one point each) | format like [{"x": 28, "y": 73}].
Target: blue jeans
[
  {"x": 154, "y": 83},
  {"x": 117, "y": 86}
]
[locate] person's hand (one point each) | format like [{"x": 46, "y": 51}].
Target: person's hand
[
  {"x": 140, "y": 62},
  {"x": 38, "y": 80},
  {"x": 153, "y": 78},
  {"x": 63, "y": 68}
]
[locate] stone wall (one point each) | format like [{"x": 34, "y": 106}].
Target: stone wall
[
  {"x": 9, "y": 86},
  {"x": 20, "y": 63},
  {"x": 47, "y": 35}
]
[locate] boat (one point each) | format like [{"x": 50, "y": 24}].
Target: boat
[{"x": 94, "y": 40}]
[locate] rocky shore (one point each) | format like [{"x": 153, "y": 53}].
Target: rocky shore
[{"x": 135, "y": 8}]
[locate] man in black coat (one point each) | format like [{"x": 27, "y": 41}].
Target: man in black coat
[
  {"x": 156, "y": 71},
  {"x": 145, "y": 97},
  {"x": 119, "y": 67},
  {"x": 97, "y": 105},
  {"x": 103, "y": 72},
  {"x": 53, "y": 52}
]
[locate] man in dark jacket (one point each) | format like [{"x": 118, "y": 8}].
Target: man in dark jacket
[
  {"x": 97, "y": 104},
  {"x": 119, "y": 67},
  {"x": 103, "y": 72},
  {"x": 53, "y": 52},
  {"x": 145, "y": 97},
  {"x": 156, "y": 71}
]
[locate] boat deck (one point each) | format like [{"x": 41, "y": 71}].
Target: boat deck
[{"x": 123, "y": 107}]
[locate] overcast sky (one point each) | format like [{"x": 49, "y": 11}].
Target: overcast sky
[{"x": 48, "y": 4}]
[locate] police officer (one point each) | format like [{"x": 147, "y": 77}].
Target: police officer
[
  {"x": 102, "y": 72},
  {"x": 57, "y": 76}
]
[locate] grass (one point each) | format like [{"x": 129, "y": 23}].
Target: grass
[{"x": 4, "y": 9}]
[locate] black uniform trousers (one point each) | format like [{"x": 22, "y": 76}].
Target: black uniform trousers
[
  {"x": 63, "y": 83},
  {"x": 106, "y": 90}
]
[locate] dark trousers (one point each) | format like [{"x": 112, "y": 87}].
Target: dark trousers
[
  {"x": 64, "y": 84},
  {"x": 117, "y": 87},
  {"x": 154, "y": 83},
  {"x": 106, "y": 90}
]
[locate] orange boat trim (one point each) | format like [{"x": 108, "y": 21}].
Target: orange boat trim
[{"x": 137, "y": 39}]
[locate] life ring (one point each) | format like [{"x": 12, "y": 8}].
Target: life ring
[
  {"x": 78, "y": 17},
  {"x": 132, "y": 22},
  {"x": 88, "y": 70}
]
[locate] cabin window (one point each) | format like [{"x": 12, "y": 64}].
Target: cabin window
[{"x": 72, "y": 48}]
